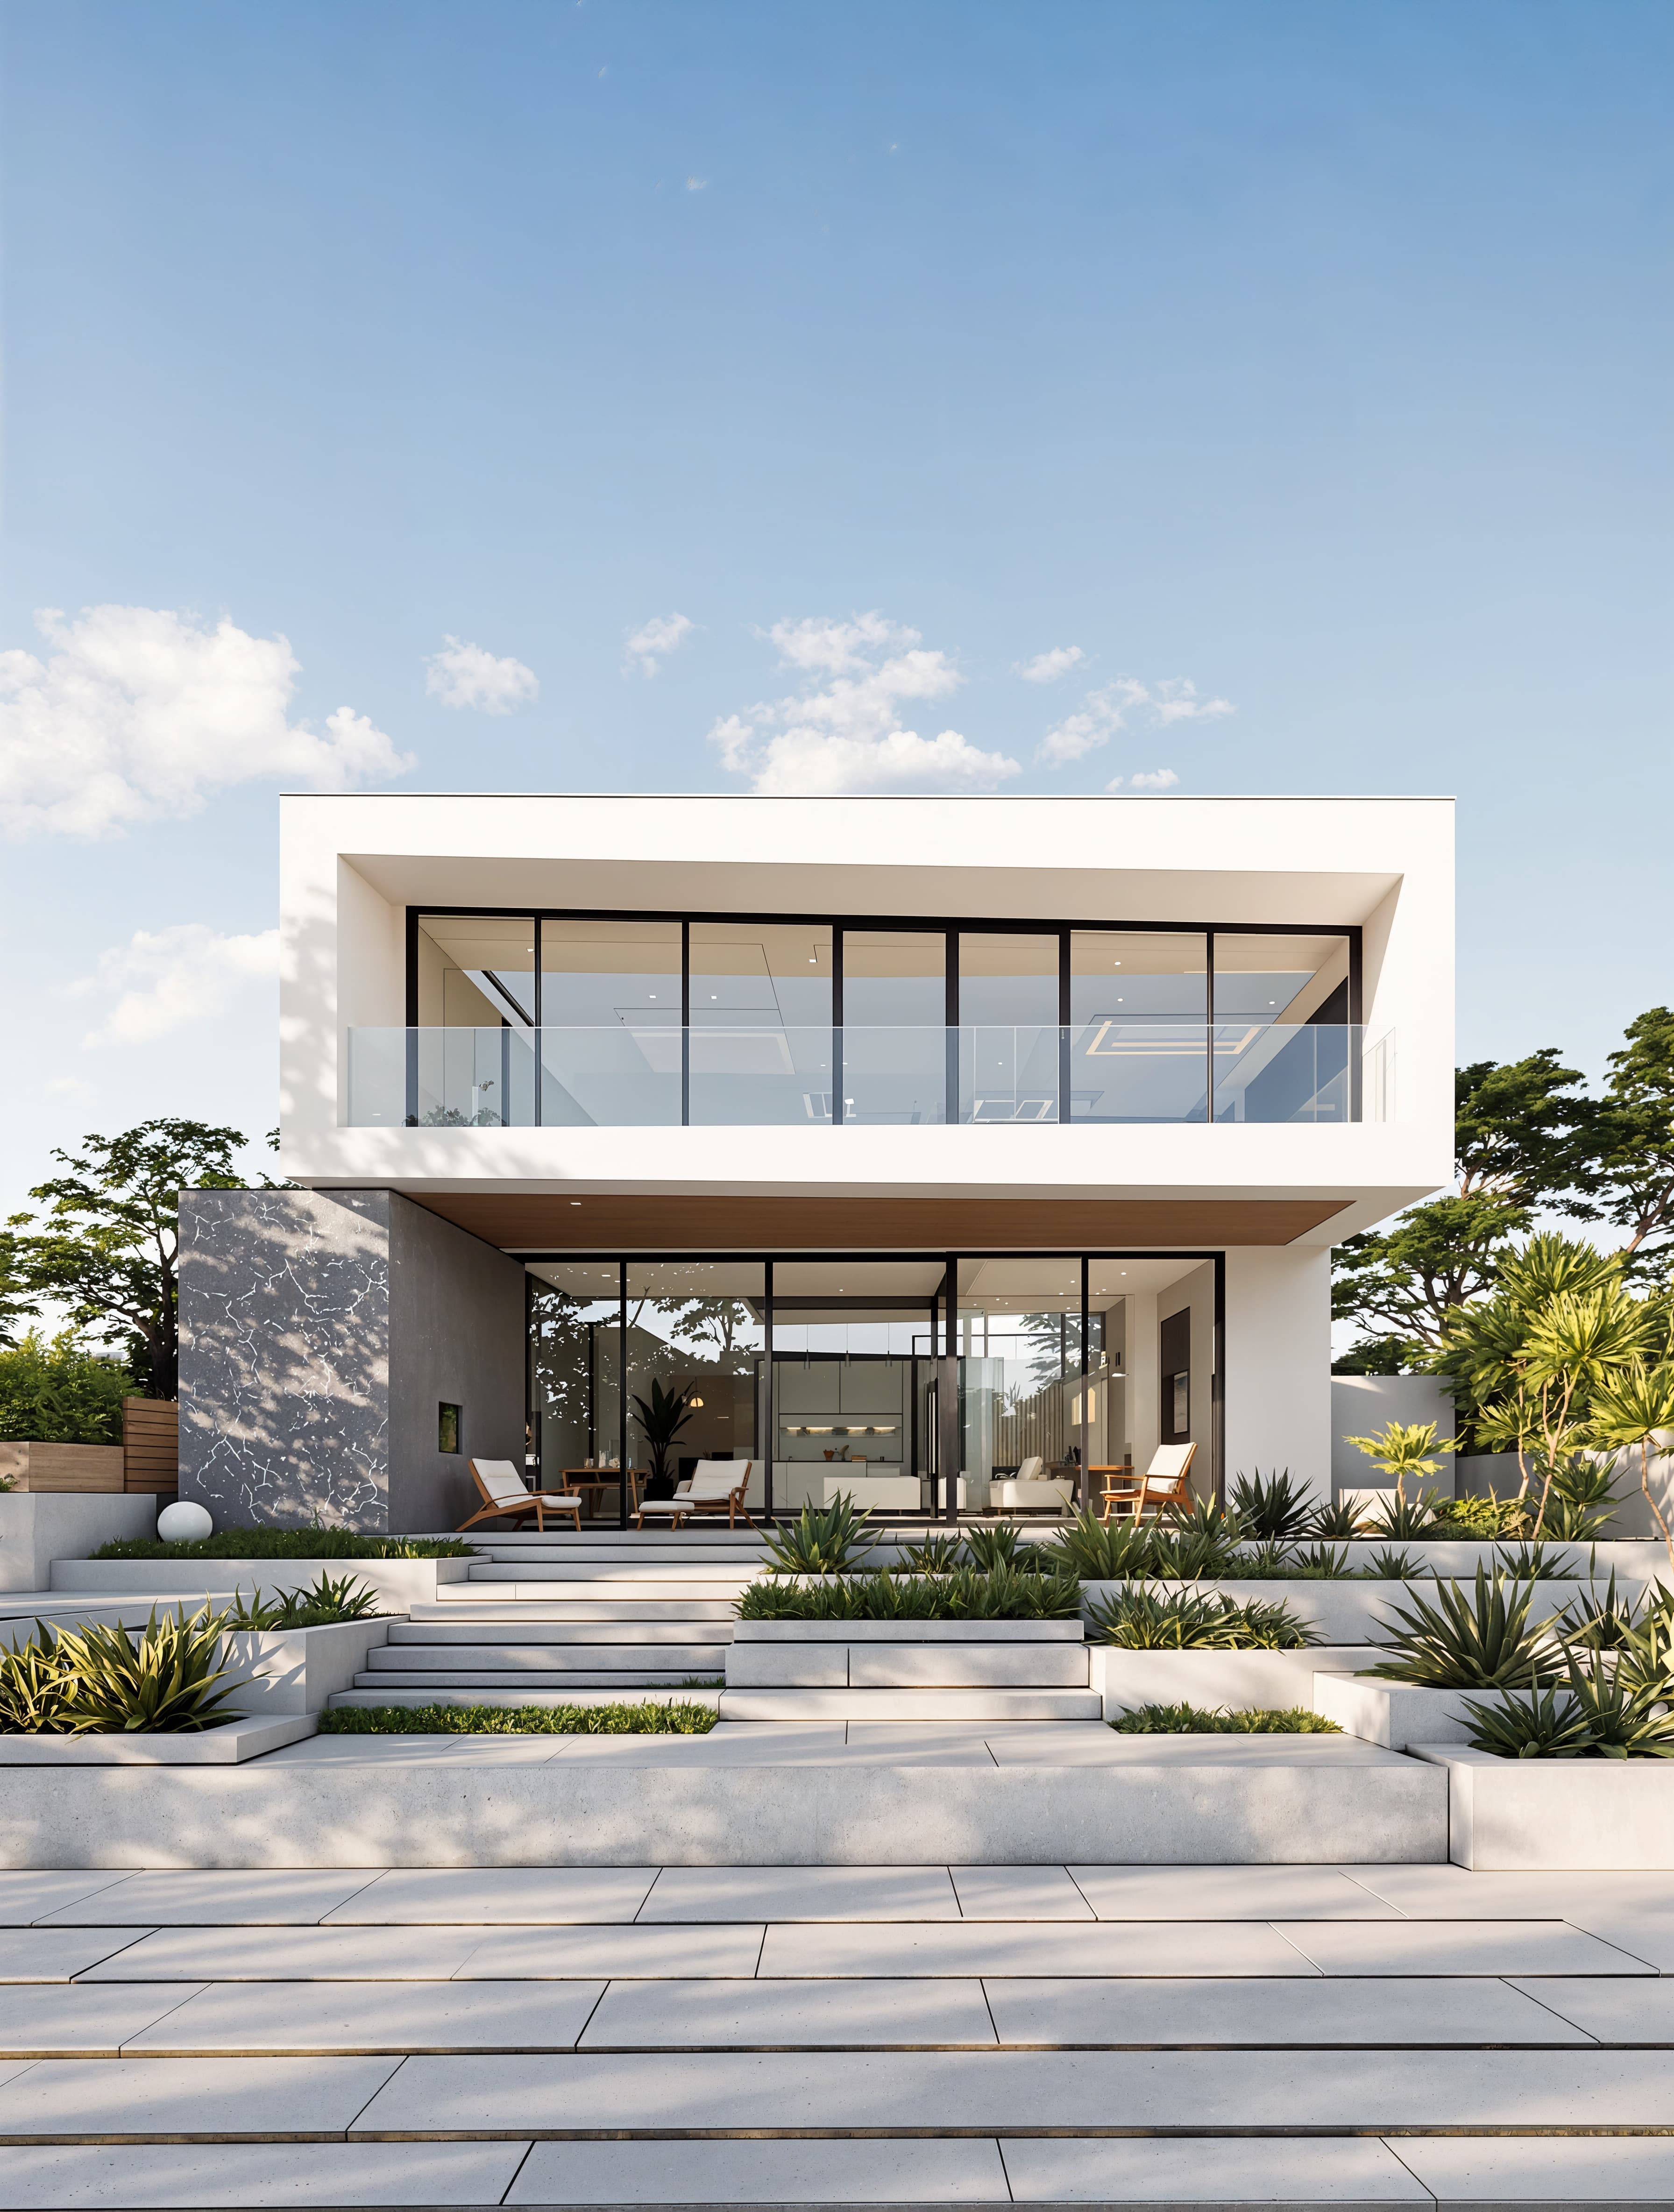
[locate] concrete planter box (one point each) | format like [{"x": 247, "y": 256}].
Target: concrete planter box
[
  {"x": 38, "y": 1526},
  {"x": 908, "y": 1632},
  {"x": 285, "y": 1671},
  {"x": 1395, "y": 1714},
  {"x": 398, "y": 1584},
  {"x": 910, "y": 1656},
  {"x": 1556, "y": 1816},
  {"x": 1241, "y": 1679},
  {"x": 229, "y": 1746}
]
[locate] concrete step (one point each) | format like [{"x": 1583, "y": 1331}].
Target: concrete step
[
  {"x": 518, "y": 1658},
  {"x": 480, "y": 1627},
  {"x": 514, "y": 1681},
  {"x": 614, "y": 1693},
  {"x": 634, "y": 1581},
  {"x": 542, "y": 1605},
  {"x": 908, "y": 1666},
  {"x": 968, "y": 1704}
]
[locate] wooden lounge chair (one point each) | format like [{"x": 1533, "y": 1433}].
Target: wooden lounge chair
[
  {"x": 1164, "y": 1488},
  {"x": 717, "y": 1486},
  {"x": 504, "y": 1492}
]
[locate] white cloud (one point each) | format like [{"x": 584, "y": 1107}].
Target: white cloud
[
  {"x": 698, "y": 184},
  {"x": 1148, "y": 778},
  {"x": 1047, "y": 668},
  {"x": 847, "y": 734},
  {"x": 466, "y": 676},
  {"x": 168, "y": 979},
  {"x": 138, "y": 713},
  {"x": 651, "y": 644},
  {"x": 1115, "y": 706}
]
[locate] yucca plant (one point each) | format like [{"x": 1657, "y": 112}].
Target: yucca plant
[
  {"x": 33, "y": 1687},
  {"x": 1141, "y": 1618},
  {"x": 1272, "y": 1508},
  {"x": 1602, "y": 1624},
  {"x": 1103, "y": 1552},
  {"x": 1481, "y": 1643},
  {"x": 826, "y": 1540},
  {"x": 163, "y": 1682},
  {"x": 1323, "y": 1563},
  {"x": 1388, "y": 1566},
  {"x": 1530, "y": 1563},
  {"x": 1199, "y": 1546}
]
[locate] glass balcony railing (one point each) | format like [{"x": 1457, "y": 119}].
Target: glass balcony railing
[{"x": 659, "y": 1076}]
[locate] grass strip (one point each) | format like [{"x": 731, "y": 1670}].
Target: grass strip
[
  {"x": 289, "y": 1544},
  {"x": 649, "y": 1718},
  {"x": 1217, "y": 1720}
]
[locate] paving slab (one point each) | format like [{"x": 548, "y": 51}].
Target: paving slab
[
  {"x": 1037, "y": 1948},
  {"x": 383, "y": 1751},
  {"x": 251, "y": 1897},
  {"x": 1205, "y": 2170},
  {"x": 1543, "y": 2169},
  {"x": 1456, "y": 1946},
  {"x": 1443, "y": 1892},
  {"x": 55, "y": 1954},
  {"x": 785, "y": 2015},
  {"x": 1613, "y": 2008},
  {"x": 609, "y": 1953},
  {"x": 262, "y": 2017},
  {"x": 291, "y": 1954},
  {"x": 807, "y": 1892},
  {"x": 66, "y": 2019},
  {"x": 26, "y": 1894},
  {"x": 1098, "y": 1745},
  {"x": 957, "y": 2171},
  {"x": 1227, "y": 1892},
  {"x": 419, "y": 1896},
  {"x": 1019, "y": 1893},
  {"x": 160, "y": 2177},
  {"x": 60, "y": 2099},
  {"x": 1255, "y": 2015},
  {"x": 1001, "y": 2092}
]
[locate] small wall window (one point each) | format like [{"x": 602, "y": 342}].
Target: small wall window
[{"x": 448, "y": 1428}]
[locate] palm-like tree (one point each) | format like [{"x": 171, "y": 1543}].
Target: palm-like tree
[{"x": 1630, "y": 1410}]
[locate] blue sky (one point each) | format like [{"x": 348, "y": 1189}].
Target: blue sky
[{"x": 1304, "y": 367}]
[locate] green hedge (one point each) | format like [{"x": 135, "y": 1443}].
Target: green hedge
[
  {"x": 290, "y": 1544},
  {"x": 1217, "y": 1720},
  {"x": 60, "y": 1393},
  {"x": 967, "y": 1593},
  {"x": 649, "y": 1718}
]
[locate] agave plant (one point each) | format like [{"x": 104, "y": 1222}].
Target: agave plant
[
  {"x": 1101, "y": 1552},
  {"x": 1527, "y": 1725},
  {"x": 1003, "y": 1546},
  {"x": 1400, "y": 1518},
  {"x": 1388, "y": 1566},
  {"x": 826, "y": 1540},
  {"x": 1272, "y": 1508},
  {"x": 1530, "y": 1563},
  {"x": 1339, "y": 1521},
  {"x": 332, "y": 1598},
  {"x": 1200, "y": 1545},
  {"x": 1602, "y": 1624},
  {"x": 1481, "y": 1643},
  {"x": 1142, "y": 1618},
  {"x": 33, "y": 1686},
  {"x": 164, "y": 1681},
  {"x": 935, "y": 1555},
  {"x": 1321, "y": 1563},
  {"x": 1623, "y": 1718}
]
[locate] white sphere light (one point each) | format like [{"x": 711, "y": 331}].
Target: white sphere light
[{"x": 184, "y": 1522}]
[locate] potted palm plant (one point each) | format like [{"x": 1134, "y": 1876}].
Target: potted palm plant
[{"x": 661, "y": 1416}]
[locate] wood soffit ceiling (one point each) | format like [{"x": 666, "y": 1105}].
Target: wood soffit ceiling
[{"x": 546, "y": 1222}]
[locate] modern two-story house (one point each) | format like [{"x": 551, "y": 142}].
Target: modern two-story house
[{"x": 911, "y": 1141}]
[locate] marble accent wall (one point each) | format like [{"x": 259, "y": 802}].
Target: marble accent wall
[
  {"x": 285, "y": 1356},
  {"x": 319, "y": 1332}
]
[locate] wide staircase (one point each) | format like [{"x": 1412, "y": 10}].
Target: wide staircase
[{"x": 560, "y": 1618}]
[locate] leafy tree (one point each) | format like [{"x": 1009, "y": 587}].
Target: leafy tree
[
  {"x": 1403, "y": 1449},
  {"x": 1635, "y": 1142},
  {"x": 1524, "y": 1143},
  {"x": 60, "y": 1393},
  {"x": 105, "y": 1249}
]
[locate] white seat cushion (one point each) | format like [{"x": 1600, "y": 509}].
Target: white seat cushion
[
  {"x": 713, "y": 1479},
  {"x": 502, "y": 1480}
]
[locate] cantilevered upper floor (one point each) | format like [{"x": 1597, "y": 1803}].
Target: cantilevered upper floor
[{"x": 568, "y": 1018}]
